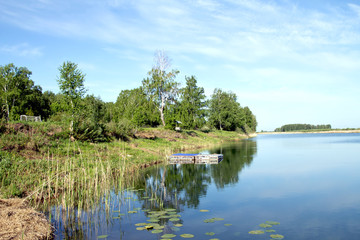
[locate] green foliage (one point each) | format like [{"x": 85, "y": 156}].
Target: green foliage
[
  {"x": 225, "y": 111},
  {"x": 71, "y": 84},
  {"x": 300, "y": 127},
  {"x": 134, "y": 106},
  {"x": 160, "y": 87},
  {"x": 19, "y": 95},
  {"x": 192, "y": 106},
  {"x": 122, "y": 129}
]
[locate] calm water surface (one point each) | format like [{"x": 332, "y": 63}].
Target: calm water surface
[{"x": 309, "y": 183}]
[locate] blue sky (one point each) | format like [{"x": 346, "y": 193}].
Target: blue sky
[{"x": 289, "y": 61}]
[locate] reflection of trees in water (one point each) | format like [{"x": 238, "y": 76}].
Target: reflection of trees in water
[
  {"x": 178, "y": 185},
  {"x": 236, "y": 157}
]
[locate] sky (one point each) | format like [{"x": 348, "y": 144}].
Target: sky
[{"x": 289, "y": 61}]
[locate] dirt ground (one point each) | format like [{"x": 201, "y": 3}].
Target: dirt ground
[{"x": 19, "y": 221}]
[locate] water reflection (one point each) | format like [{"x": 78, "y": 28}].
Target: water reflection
[
  {"x": 236, "y": 157},
  {"x": 177, "y": 187}
]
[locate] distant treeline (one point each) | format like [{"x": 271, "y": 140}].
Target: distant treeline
[
  {"x": 300, "y": 127},
  {"x": 158, "y": 101}
]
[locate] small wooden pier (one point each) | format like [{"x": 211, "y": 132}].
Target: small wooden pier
[{"x": 186, "y": 158}]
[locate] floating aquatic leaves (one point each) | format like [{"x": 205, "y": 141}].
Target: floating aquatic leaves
[
  {"x": 175, "y": 229},
  {"x": 267, "y": 225},
  {"x": 186, "y": 235},
  {"x": 102, "y": 236},
  {"x": 204, "y": 210},
  {"x": 227, "y": 224},
  {"x": 149, "y": 227},
  {"x": 214, "y": 239},
  {"x": 257, "y": 232},
  {"x": 178, "y": 225},
  {"x": 159, "y": 227},
  {"x": 210, "y": 233},
  {"x": 168, "y": 236},
  {"x": 174, "y": 219},
  {"x": 211, "y": 220},
  {"x": 140, "y": 228},
  {"x": 276, "y": 236},
  {"x": 140, "y": 224},
  {"x": 264, "y": 225},
  {"x": 272, "y": 223},
  {"x": 132, "y": 211},
  {"x": 153, "y": 220},
  {"x": 157, "y": 231},
  {"x": 116, "y": 217}
]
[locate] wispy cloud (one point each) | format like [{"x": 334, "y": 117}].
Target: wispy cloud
[{"x": 23, "y": 49}]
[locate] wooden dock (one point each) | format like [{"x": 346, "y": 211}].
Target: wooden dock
[{"x": 186, "y": 158}]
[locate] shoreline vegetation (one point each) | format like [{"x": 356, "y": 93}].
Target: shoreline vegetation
[
  {"x": 314, "y": 131},
  {"x": 40, "y": 166}
]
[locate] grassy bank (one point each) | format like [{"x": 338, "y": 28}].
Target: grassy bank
[{"x": 39, "y": 162}]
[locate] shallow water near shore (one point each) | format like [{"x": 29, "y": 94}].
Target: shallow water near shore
[{"x": 296, "y": 186}]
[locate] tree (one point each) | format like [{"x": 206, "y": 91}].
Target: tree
[
  {"x": 135, "y": 107},
  {"x": 192, "y": 106},
  {"x": 250, "y": 120},
  {"x": 71, "y": 84},
  {"x": 18, "y": 93},
  {"x": 160, "y": 87},
  {"x": 225, "y": 112}
]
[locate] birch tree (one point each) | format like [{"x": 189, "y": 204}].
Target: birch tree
[{"x": 161, "y": 86}]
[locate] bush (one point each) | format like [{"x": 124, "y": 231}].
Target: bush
[
  {"x": 91, "y": 132},
  {"x": 122, "y": 129}
]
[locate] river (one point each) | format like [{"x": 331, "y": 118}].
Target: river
[{"x": 296, "y": 186}]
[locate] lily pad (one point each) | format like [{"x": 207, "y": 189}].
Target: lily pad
[
  {"x": 140, "y": 224},
  {"x": 264, "y": 225},
  {"x": 270, "y": 230},
  {"x": 102, "y": 236},
  {"x": 116, "y": 217},
  {"x": 153, "y": 220},
  {"x": 149, "y": 227},
  {"x": 174, "y": 219},
  {"x": 276, "y": 236},
  {"x": 209, "y": 220},
  {"x": 186, "y": 235},
  {"x": 132, "y": 211},
  {"x": 157, "y": 231},
  {"x": 227, "y": 224},
  {"x": 175, "y": 229},
  {"x": 159, "y": 227},
  {"x": 204, "y": 210},
  {"x": 140, "y": 228},
  {"x": 257, "y": 232},
  {"x": 272, "y": 223},
  {"x": 165, "y": 216},
  {"x": 178, "y": 225},
  {"x": 210, "y": 233},
  {"x": 214, "y": 239},
  {"x": 168, "y": 236},
  {"x": 218, "y": 219}
]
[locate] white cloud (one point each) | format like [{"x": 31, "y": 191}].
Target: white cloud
[{"x": 23, "y": 49}]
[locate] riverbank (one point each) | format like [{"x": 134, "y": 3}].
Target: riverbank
[
  {"x": 37, "y": 157},
  {"x": 304, "y": 132},
  {"x": 42, "y": 167}
]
